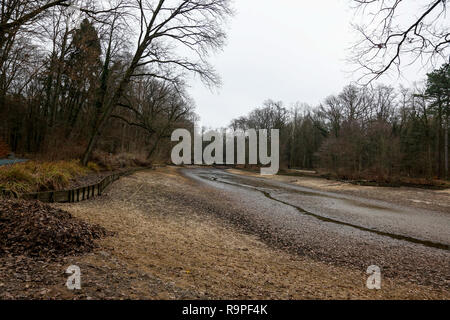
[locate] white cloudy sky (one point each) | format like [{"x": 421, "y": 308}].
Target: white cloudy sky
[{"x": 289, "y": 50}]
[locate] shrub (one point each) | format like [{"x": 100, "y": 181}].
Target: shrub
[{"x": 93, "y": 166}]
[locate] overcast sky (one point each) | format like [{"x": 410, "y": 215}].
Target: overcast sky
[{"x": 287, "y": 50}]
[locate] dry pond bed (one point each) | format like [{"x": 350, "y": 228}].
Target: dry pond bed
[{"x": 163, "y": 249}]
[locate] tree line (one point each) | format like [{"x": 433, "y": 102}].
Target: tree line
[
  {"x": 79, "y": 76},
  {"x": 365, "y": 132},
  {"x": 84, "y": 76}
]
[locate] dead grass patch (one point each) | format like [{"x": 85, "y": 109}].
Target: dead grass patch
[{"x": 34, "y": 176}]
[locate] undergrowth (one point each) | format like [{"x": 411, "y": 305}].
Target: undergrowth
[{"x": 34, "y": 176}]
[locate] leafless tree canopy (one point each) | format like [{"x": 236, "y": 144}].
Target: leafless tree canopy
[
  {"x": 397, "y": 33},
  {"x": 93, "y": 72}
]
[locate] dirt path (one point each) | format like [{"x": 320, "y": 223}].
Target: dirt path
[{"x": 170, "y": 245}]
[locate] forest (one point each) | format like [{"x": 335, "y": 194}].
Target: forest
[
  {"x": 375, "y": 132},
  {"x": 103, "y": 79}
]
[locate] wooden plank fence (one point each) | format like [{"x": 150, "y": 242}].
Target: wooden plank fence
[{"x": 78, "y": 194}]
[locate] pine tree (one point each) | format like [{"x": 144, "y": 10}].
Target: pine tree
[{"x": 438, "y": 93}]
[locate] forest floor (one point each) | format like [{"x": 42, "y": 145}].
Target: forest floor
[{"x": 163, "y": 247}]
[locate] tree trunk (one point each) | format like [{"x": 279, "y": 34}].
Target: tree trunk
[
  {"x": 153, "y": 149},
  {"x": 90, "y": 147},
  {"x": 438, "y": 140},
  {"x": 446, "y": 148},
  {"x": 108, "y": 107}
]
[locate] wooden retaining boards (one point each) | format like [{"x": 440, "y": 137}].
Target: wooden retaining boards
[{"x": 78, "y": 194}]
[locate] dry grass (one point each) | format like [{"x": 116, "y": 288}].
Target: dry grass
[
  {"x": 34, "y": 176},
  {"x": 382, "y": 179},
  {"x": 93, "y": 166},
  {"x": 121, "y": 160}
]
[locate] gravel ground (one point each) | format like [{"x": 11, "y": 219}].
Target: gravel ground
[
  {"x": 415, "y": 197},
  {"x": 180, "y": 238},
  {"x": 283, "y": 226}
]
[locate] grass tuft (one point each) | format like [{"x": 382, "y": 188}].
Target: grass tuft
[
  {"x": 34, "y": 176},
  {"x": 93, "y": 166}
]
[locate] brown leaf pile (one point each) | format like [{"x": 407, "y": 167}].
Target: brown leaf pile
[{"x": 34, "y": 229}]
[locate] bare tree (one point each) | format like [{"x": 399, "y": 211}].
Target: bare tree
[
  {"x": 392, "y": 35},
  {"x": 163, "y": 25},
  {"x": 157, "y": 107},
  {"x": 333, "y": 112},
  {"x": 16, "y": 13}
]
